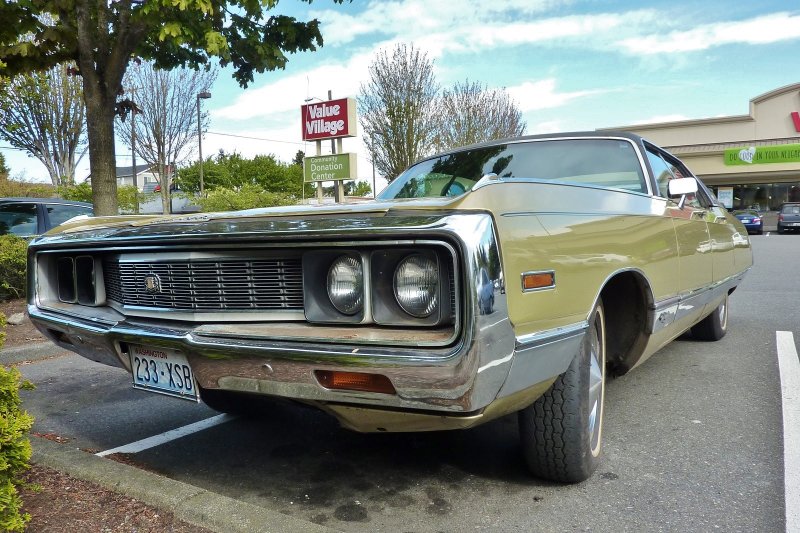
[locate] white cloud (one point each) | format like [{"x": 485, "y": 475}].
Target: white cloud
[
  {"x": 288, "y": 93},
  {"x": 761, "y": 30},
  {"x": 542, "y": 94}
]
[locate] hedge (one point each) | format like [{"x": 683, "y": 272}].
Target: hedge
[
  {"x": 13, "y": 257},
  {"x": 15, "y": 448}
]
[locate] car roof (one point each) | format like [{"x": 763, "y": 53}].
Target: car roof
[
  {"x": 31, "y": 200},
  {"x": 555, "y": 136}
]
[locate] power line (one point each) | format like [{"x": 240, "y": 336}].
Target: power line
[{"x": 254, "y": 138}]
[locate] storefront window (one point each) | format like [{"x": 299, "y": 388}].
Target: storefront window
[{"x": 764, "y": 196}]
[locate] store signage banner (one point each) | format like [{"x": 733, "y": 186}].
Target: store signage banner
[
  {"x": 329, "y": 120},
  {"x": 759, "y": 155},
  {"x": 335, "y": 167}
]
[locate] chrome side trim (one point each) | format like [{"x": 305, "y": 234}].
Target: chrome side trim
[
  {"x": 670, "y": 310},
  {"x": 533, "y": 340},
  {"x": 541, "y": 356}
]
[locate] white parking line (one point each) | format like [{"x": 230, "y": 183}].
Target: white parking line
[
  {"x": 789, "y": 366},
  {"x": 157, "y": 440}
]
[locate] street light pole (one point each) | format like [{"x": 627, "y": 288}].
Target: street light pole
[{"x": 204, "y": 95}]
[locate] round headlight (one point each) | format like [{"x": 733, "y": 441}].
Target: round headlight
[
  {"x": 416, "y": 285},
  {"x": 346, "y": 285}
]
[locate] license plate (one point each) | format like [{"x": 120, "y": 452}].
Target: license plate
[
  {"x": 746, "y": 221},
  {"x": 163, "y": 371},
  {"x": 795, "y": 224}
]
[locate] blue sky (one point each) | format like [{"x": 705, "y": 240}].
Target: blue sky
[{"x": 569, "y": 64}]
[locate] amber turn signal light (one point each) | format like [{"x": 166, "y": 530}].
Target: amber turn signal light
[
  {"x": 357, "y": 381},
  {"x": 532, "y": 281}
]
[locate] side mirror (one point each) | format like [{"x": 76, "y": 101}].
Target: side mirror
[{"x": 682, "y": 187}]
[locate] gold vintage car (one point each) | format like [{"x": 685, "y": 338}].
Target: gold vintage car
[{"x": 510, "y": 276}]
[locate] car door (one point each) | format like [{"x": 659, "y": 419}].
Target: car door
[
  {"x": 722, "y": 233},
  {"x": 695, "y": 249}
]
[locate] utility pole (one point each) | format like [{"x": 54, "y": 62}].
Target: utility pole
[{"x": 133, "y": 158}]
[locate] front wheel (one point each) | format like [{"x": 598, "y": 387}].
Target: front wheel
[
  {"x": 714, "y": 326},
  {"x": 561, "y": 432}
]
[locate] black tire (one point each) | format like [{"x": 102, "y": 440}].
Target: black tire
[
  {"x": 561, "y": 432},
  {"x": 714, "y": 326},
  {"x": 780, "y": 229}
]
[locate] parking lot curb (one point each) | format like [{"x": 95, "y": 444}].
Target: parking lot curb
[{"x": 188, "y": 503}]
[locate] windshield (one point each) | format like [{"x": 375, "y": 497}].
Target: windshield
[{"x": 601, "y": 162}]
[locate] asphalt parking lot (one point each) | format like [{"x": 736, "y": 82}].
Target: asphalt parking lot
[{"x": 693, "y": 442}]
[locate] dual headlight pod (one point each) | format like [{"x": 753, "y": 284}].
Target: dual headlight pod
[{"x": 387, "y": 287}]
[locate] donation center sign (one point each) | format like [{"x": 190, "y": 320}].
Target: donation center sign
[
  {"x": 334, "y": 167},
  {"x": 329, "y": 120}
]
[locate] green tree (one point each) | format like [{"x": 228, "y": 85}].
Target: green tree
[
  {"x": 470, "y": 113},
  {"x": 396, "y": 109},
  {"x": 4, "y": 171},
  {"x": 101, "y": 37},
  {"x": 232, "y": 171},
  {"x": 43, "y": 114}
]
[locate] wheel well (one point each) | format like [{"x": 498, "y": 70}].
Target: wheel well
[{"x": 625, "y": 299}]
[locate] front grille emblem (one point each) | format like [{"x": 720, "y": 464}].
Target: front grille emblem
[{"x": 152, "y": 284}]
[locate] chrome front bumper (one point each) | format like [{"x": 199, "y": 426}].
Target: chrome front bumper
[{"x": 486, "y": 372}]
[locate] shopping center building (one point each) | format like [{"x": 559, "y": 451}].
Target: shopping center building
[{"x": 750, "y": 160}]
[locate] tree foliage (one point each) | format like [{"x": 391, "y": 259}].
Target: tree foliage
[
  {"x": 248, "y": 196},
  {"x": 82, "y": 192},
  {"x": 101, "y": 37},
  {"x": 43, "y": 114},
  {"x": 470, "y": 113},
  {"x": 164, "y": 103},
  {"x": 396, "y": 109},
  {"x": 233, "y": 172}
]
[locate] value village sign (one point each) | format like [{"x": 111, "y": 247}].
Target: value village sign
[
  {"x": 329, "y": 120},
  {"x": 333, "y": 119}
]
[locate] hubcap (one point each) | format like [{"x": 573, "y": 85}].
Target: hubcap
[{"x": 596, "y": 371}]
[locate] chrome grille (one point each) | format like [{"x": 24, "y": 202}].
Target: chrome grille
[{"x": 208, "y": 285}]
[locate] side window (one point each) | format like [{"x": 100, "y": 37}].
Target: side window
[
  {"x": 680, "y": 171},
  {"x": 58, "y": 214},
  {"x": 18, "y": 219},
  {"x": 661, "y": 171}
]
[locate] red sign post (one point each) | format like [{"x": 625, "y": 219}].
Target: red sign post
[{"x": 329, "y": 120}]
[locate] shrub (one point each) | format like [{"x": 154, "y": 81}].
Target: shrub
[
  {"x": 13, "y": 257},
  {"x": 247, "y": 197},
  {"x": 15, "y": 448}
]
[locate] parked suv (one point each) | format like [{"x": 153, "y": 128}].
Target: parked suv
[
  {"x": 789, "y": 217},
  {"x": 26, "y": 217}
]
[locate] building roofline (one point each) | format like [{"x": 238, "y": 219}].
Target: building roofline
[{"x": 712, "y": 120}]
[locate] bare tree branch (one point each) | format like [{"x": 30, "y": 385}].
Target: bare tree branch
[
  {"x": 470, "y": 113},
  {"x": 166, "y": 124},
  {"x": 43, "y": 113},
  {"x": 395, "y": 109}
]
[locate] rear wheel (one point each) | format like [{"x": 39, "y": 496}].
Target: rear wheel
[
  {"x": 714, "y": 326},
  {"x": 562, "y": 431}
]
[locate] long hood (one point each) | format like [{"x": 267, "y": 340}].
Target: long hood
[{"x": 287, "y": 221}]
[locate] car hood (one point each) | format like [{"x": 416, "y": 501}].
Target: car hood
[{"x": 285, "y": 219}]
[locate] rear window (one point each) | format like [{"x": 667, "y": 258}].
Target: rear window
[
  {"x": 793, "y": 209},
  {"x": 18, "y": 219}
]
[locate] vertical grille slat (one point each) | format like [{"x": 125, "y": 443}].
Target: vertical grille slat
[{"x": 208, "y": 285}]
